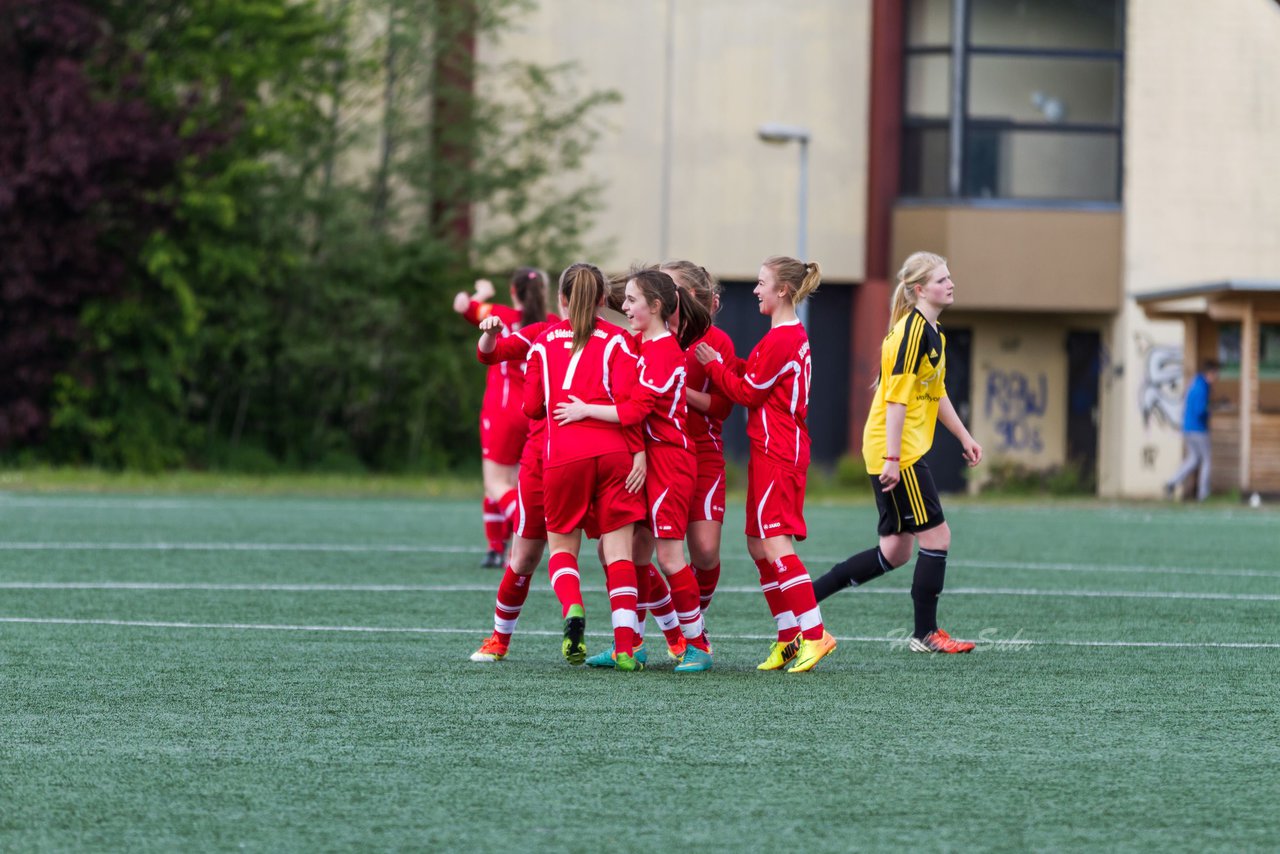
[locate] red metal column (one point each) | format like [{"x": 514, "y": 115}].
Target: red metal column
[{"x": 871, "y": 300}]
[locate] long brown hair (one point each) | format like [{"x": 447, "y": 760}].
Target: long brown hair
[
  {"x": 800, "y": 278},
  {"x": 582, "y": 287},
  {"x": 657, "y": 287},
  {"x": 530, "y": 285},
  {"x": 699, "y": 282}
]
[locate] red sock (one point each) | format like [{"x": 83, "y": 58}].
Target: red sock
[
  {"x": 684, "y": 593},
  {"x": 642, "y": 601},
  {"x": 565, "y": 581},
  {"x": 512, "y": 591},
  {"x": 493, "y": 525},
  {"x": 797, "y": 587},
  {"x": 664, "y": 611},
  {"x": 786, "y": 621},
  {"x": 507, "y": 507},
  {"x": 620, "y": 576},
  {"x": 707, "y": 581}
]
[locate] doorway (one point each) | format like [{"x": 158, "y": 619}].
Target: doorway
[{"x": 1084, "y": 363}]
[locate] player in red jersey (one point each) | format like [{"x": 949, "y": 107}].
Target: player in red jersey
[
  {"x": 589, "y": 466},
  {"x": 529, "y": 535},
  {"x": 775, "y": 389},
  {"x": 708, "y": 408},
  {"x": 503, "y": 426},
  {"x": 654, "y": 305}
]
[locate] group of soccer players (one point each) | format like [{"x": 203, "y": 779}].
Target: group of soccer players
[{"x": 622, "y": 442}]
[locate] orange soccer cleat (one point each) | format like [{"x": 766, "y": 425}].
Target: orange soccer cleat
[
  {"x": 939, "y": 641},
  {"x": 493, "y": 649}
]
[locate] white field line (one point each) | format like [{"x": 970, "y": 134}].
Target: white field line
[
  {"x": 7, "y": 501},
  {"x": 418, "y": 630},
  {"x": 377, "y": 548},
  {"x": 153, "y": 586},
  {"x": 1155, "y": 512},
  {"x": 411, "y": 548}
]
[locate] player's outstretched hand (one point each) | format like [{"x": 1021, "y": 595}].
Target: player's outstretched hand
[
  {"x": 972, "y": 453},
  {"x": 461, "y": 303},
  {"x": 484, "y": 290},
  {"x": 706, "y": 354},
  {"x": 889, "y": 475},
  {"x": 567, "y": 413},
  {"x": 635, "y": 479},
  {"x": 491, "y": 324}
]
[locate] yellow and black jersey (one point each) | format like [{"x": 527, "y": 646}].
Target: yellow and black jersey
[{"x": 913, "y": 365}]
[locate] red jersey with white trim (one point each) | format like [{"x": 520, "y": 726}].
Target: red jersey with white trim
[
  {"x": 657, "y": 398},
  {"x": 707, "y": 428},
  {"x": 602, "y": 372},
  {"x": 775, "y": 390},
  {"x": 504, "y": 384},
  {"x": 512, "y": 348}
]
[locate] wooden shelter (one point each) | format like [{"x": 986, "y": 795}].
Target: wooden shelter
[{"x": 1238, "y": 324}]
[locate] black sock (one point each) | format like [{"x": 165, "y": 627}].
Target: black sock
[
  {"x": 858, "y": 569},
  {"x": 926, "y": 587}
]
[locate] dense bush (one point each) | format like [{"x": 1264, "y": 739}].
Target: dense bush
[{"x": 200, "y": 264}]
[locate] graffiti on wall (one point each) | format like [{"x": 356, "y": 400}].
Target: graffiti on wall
[
  {"x": 1160, "y": 392},
  {"x": 1015, "y": 406}
]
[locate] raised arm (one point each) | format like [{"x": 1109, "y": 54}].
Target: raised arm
[
  {"x": 492, "y": 349},
  {"x": 714, "y": 403},
  {"x": 738, "y": 389}
]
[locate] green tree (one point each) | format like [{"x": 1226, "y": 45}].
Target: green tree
[{"x": 296, "y": 313}]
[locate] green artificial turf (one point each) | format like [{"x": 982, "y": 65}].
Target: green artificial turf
[{"x": 187, "y": 673}]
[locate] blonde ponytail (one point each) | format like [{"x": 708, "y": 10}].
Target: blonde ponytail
[
  {"x": 800, "y": 278},
  {"x": 915, "y": 271}
]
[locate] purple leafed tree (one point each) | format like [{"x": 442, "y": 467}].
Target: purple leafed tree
[{"x": 83, "y": 165}]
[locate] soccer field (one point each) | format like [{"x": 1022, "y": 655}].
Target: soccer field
[{"x": 292, "y": 674}]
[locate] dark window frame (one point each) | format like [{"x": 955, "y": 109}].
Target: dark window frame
[{"x": 959, "y": 123}]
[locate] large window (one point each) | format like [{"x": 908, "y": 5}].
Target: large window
[{"x": 1013, "y": 99}]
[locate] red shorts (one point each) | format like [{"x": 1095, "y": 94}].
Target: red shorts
[
  {"x": 670, "y": 476},
  {"x": 708, "y": 495},
  {"x": 531, "y": 515},
  {"x": 502, "y": 434},
  {"x": 596, "y": 484},
  {"x": 775, "y": 500}
]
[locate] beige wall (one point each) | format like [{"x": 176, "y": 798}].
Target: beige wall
[
  {"x": 1019, "y": 389},
  {"x": 1201, "y": 198},
  {"x": 1019, "y": 259},
  {"x": 1018, "y": 384},
  {"x": 736, "y": 64}
]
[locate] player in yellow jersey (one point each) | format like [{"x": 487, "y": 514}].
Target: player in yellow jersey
[{"x": 910, "y": 399}]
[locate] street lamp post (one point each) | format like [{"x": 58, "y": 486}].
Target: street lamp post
[{"x": 780, "y": 134}]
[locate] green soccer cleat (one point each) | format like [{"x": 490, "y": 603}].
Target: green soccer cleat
[
  {"x": 575, "y": 628},
  {"x": 694, "y": 661},
  {"x": 628, "y": 663}
]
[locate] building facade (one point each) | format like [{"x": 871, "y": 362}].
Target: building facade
[{"x": 1067, "y": 156}]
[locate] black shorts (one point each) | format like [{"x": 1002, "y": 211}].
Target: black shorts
[{"x": 913, "y": 505}]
